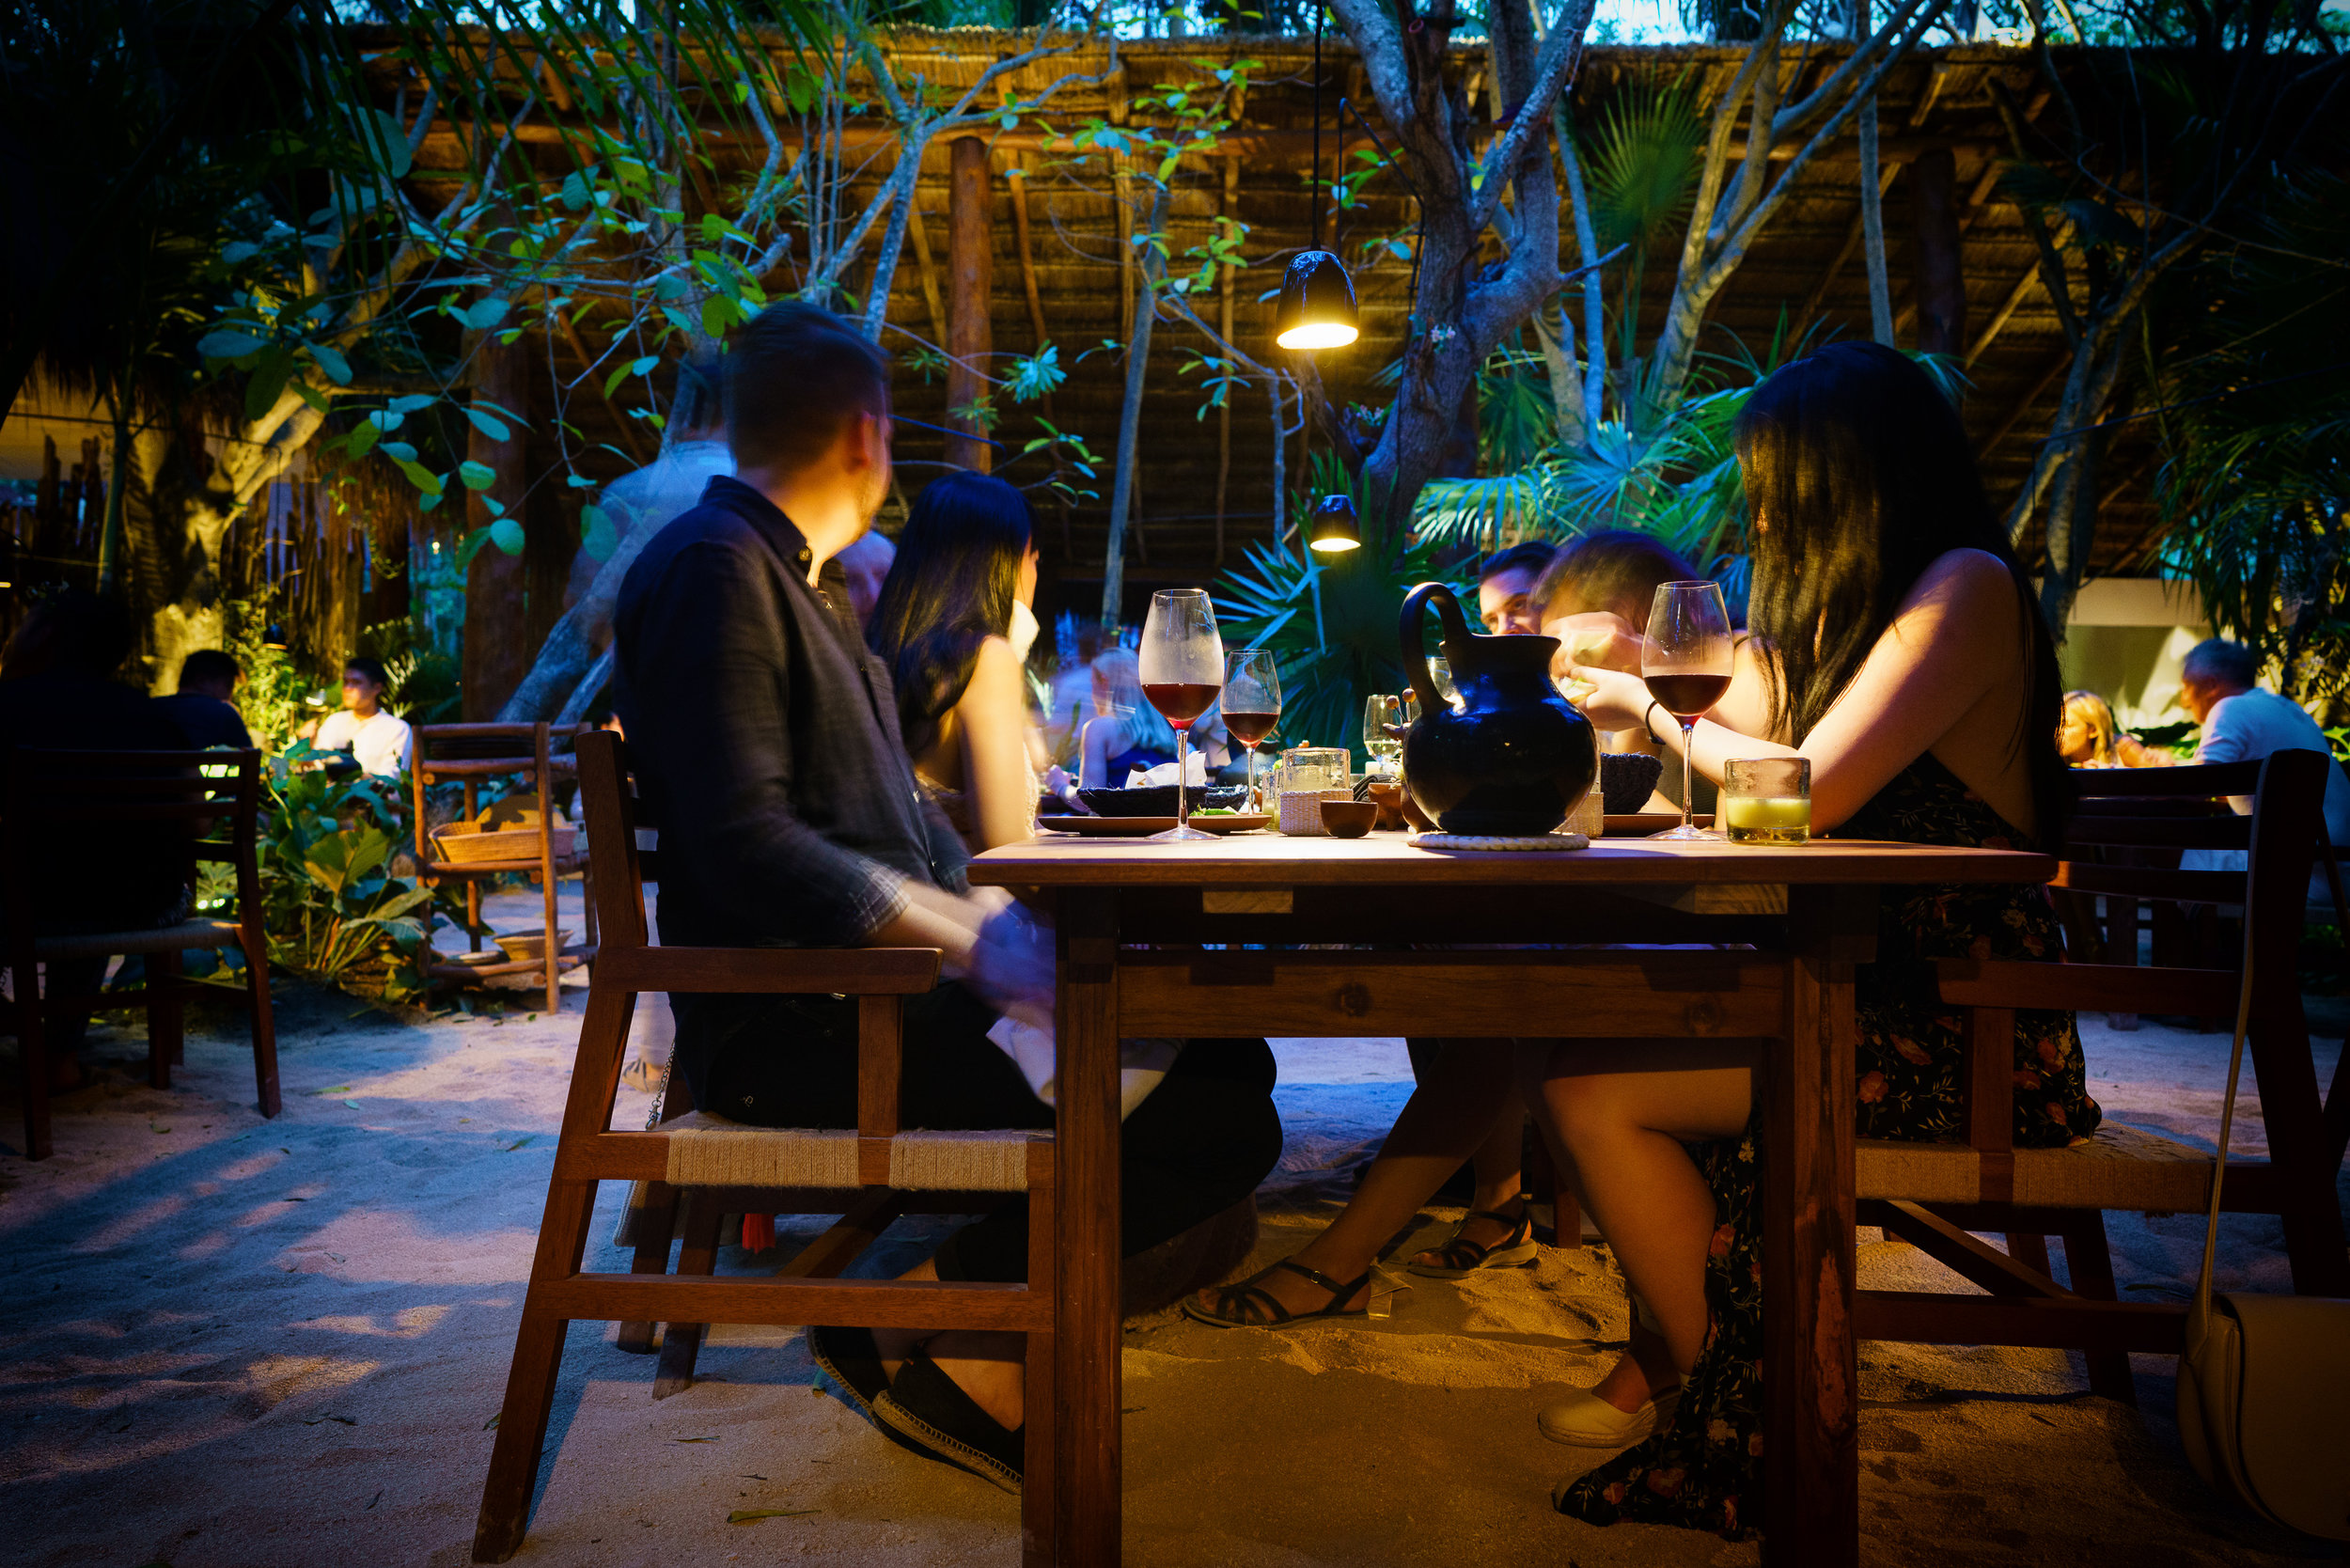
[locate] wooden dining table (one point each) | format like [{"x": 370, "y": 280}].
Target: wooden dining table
[{"x": 1211, "y": 940}]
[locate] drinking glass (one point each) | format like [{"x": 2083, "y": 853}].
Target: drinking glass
[
  {"x": 1381, "y": 710},
  {"x": 1183, "y": 669},
  {"x": 1440, "y": 675},
  {"x": 1252, "y": 705},
  {"x": 1685, "y": 660},
  {"x": 1767, "y": 800}
]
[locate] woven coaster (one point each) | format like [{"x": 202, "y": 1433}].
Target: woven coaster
[{"x": 1469, "y": 841}]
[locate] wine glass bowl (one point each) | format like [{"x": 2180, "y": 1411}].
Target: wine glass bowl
[
  {"x": 1182, "y": 660},
  {"x": 1687, "y": 659}
]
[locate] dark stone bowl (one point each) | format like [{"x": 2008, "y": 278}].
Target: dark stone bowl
[
  {"x": 1158, "y": 800},
  {"x": 1627, "y": 779}
]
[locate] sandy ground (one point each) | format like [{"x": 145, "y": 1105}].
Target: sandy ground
[{"x": 231, "y": 1341}]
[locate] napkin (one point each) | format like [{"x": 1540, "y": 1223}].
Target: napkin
[
  {"x": 1141, "y": 1063},
  {"x": 1195, "y": 768}
]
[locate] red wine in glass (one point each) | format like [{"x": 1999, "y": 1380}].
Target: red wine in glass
[
  {"x": 1181, "y": 701},
  {"x": 1686, "y": 697},
  {"x": 1249, "y": 728}
]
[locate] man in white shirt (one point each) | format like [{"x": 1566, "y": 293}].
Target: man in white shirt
[
  {"x": 2243, "y": 723},
  {"x": 377, "y": 739}
]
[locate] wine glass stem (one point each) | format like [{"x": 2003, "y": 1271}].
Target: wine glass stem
[
  {"x": 1252, "y": 776},
  {"x": 1182, "y": 773},
  {"x": 1688, "y": 763}
]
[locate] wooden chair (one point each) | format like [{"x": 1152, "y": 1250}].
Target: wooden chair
[
  {"x": 469, "y": 754},
  {"x": 49, "y": 792},
  {"x": 1932, "y": 1195},
  {"x": 868, "y": 1176}
]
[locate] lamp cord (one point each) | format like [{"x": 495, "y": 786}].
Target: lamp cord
[{"x": 1317, "y": 165}]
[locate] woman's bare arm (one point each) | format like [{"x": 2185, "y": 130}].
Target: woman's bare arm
[{"x": 993, "y": 720}]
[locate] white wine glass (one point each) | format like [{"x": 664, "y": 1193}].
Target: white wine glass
[
  {"x": 1685, "y": 659},
  {"x": 1182, "y": 670}
]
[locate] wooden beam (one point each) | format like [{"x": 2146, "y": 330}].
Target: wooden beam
[
  {"x": 1998, "y": 323},
  {"x": 1978, "y": 200},
  {"x": 1017, "y": 177},
  {"x": 921, "y": 239},
  {"x": 1892, "y": 167},
  {"x": 970, "y": 281},
  {"x": 1939, "y": 285}
]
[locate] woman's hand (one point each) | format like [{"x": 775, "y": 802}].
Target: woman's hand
[
  {"x": 1595, "y": 637},
  {"x": 1618, "y": 702}
]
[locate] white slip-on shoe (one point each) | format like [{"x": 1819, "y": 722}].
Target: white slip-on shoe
[{"x": 1585, "y": 1420}]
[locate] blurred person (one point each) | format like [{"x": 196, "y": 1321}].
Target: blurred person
[
  {"x": 866, "y": 565},
  {"x": 58, "y": 692},
  {"x": 2088, "y": 737},
  {"x": 204, "y": 707},
  {"x": 1505, "y": 588},
  {"x": 1126, "y": 733},
  {"x": 790, "y": 817},
  {"x": 376, "y": 738},
  {"x": 2219, "y": 687},
  {"x": 953, "y": 621}
]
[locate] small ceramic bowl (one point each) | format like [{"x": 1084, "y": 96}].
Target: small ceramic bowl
[{"x": 1349, "y": 819}]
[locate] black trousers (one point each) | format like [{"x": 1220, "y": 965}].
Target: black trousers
[{"x": 1200, "y": 1144}]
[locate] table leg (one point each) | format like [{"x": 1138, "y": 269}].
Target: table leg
[
  {"x": 1086, "y": 1216},
  {"x": 1811, "y": 1458}
]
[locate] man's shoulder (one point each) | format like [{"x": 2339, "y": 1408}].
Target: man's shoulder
[{"x": 712, "y": 531}]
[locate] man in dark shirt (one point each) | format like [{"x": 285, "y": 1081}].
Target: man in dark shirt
[
  {"x": 766, "y": 741},
  {"x": 204, "y": 707}
]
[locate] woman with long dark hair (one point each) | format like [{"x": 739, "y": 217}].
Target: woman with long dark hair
[
  {"x": 1899, "y": 647},
  {"x": 953, "y": 623}
]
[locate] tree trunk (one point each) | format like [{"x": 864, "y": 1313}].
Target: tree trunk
[
  {"x": 496, "y": 651},
  {"x": 1130, "y": 423},
  {"x": 175, "y": 520},
  {"x": 1873, "y": 222},
  {"x": 970, "y": 268},
  {"x": 1941, "y": 284}
]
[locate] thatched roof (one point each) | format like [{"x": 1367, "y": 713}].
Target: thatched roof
[{"x": 1807, "y": 256}]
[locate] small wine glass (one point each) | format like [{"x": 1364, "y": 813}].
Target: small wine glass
[
  {"x": 1182, "y": 670},
  {"x": 1252, "y": 705},
  {"x": 1686, "y": 660},
  {"x": 1381, "y": 712}
]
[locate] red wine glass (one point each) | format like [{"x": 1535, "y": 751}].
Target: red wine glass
[
  {"x": 1183, "y": 669},
  {"x": 1252, "y": 705},
  {"x": 1685, "y": 660}
]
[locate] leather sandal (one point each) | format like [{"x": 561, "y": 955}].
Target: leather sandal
[
  {"x": 1461, "y": 1257},
  {"x": 925, "y": 1410},
  {"x": 1235, "y": 1303}
]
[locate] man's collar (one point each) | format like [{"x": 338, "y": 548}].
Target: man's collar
[{"x": 754, "y": 505}]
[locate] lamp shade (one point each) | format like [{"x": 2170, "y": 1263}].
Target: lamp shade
[
  {"x": 1334, "y": 528},
  {"x": 1317, "y": 309}
]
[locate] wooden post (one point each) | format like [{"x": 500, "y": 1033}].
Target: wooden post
[
  {"x": 970, "y": 279},
  {"x": 496, "y": 653},
  {"x": 1941, "y": 287},
  {"x": 1226, "y": 277}
]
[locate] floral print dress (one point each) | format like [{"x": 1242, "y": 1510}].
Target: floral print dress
[{"x": 1704, "y": 1470}]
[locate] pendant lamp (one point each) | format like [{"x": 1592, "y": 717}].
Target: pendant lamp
[
  {"x": 1317, "y": 309},
  {"x": 1335, "y": 528}
]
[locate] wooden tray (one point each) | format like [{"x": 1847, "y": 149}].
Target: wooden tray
[
  {"x": 1640, "y": 825},
  {"x": 1129, "y": 827}
]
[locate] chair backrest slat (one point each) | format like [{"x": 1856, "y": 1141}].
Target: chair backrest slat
[
  {"x": 607, "y": 802},
  {"x": 2207, "y": 779}
]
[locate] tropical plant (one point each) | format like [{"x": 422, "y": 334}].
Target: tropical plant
[
  {"x": 277, "y": 697},
  {"x": 1330, "y": 619},
  {"x": 2253, "y": 410},
  {"x": 334, "y": 909}
]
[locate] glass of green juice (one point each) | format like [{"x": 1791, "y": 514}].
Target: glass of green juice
[{"x": 1767, "y": 800}]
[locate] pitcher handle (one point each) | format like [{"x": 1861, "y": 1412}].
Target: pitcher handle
[{"x": 1411, "y": 631}]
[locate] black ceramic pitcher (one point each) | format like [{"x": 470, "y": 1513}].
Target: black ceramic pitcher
[{"x": 1518, "y": 756}]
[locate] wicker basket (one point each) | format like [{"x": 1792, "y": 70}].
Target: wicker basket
[
  {"x": 1301, "y": 811},
  {"x": 461, "y": 843}
]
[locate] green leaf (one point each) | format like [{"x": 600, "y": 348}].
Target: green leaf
[
  {"x": 410, "y": 402},
  {"x": 470, "y": 546},
  {"x": 506, "y": 535},
  {"x": 484, "y": 314},
  {"x": 597, "y": 535},
  {"x": 363, "y": 439},
  {"x": 643, "y": 366},
  {"x": 420, "y": 475},
  {"x": 386, "y": 142},
  {"x": 477, "y": 476},
  {"x": 228, "y": 343},
  {"x": 269, "y": 380},
  {"x": 489, "y": 424},
  {"x": 330, "y": 360},
  {"x": 399, "y": 451},
  {"x": 717, "y": 315}
]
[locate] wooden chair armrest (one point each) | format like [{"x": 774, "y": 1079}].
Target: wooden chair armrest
[
  {"x": 778, "y": 971},
  {"x": 2085, "y": 987}
]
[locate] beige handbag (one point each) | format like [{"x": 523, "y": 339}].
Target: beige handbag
[{"x": 2264, "y": 1382}]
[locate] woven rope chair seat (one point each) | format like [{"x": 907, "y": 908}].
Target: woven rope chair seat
[
  {"x": 709, "y": 1150},
  {"x": 2121, "y": 1168}
]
